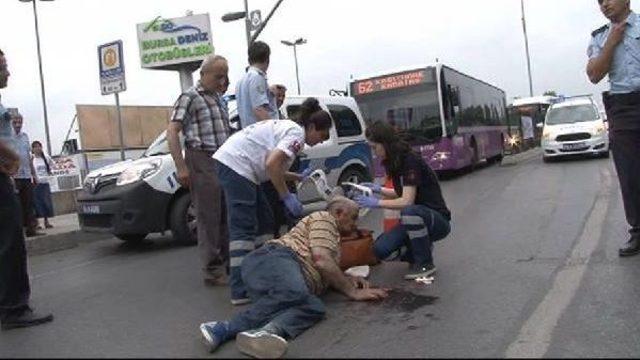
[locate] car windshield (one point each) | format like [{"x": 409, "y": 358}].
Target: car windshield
[
  {"x": 571, "y": 114},
  {"x": 160, "y": 146}
]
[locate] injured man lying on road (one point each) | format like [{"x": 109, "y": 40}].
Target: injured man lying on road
[{"x": 284, "y": 278}]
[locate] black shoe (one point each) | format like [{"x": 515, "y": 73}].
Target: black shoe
[
  {"x": 25, "y": 319},
  {"x": 418, "y": 271},
  {"x": 632, "y": 247}
]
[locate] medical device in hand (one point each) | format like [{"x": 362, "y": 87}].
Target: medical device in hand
[
  {"x": 319, "y": 179},
  {"x": 356, "y": 189}
]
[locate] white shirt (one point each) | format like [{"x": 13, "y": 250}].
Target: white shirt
[
  {"x": 41, "y": 168},
  {"x": 246, "y": 151}
]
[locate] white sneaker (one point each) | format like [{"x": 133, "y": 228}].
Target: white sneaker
[{"x": 261, "y": 344}]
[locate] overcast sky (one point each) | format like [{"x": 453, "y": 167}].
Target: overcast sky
[{"x": 482, "y": 38}]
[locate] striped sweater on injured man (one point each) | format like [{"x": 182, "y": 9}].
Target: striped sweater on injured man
[{"x": 316, "y": 230}]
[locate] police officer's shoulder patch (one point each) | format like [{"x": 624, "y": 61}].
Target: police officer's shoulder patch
[{"x": 599, "y": 30}]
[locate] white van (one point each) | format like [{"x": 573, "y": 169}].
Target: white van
[
  {"x": 133, "y": 198},
  {"x": 574, "y": 126}
]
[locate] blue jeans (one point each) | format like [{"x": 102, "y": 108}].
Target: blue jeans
[
  {"x": 278, "y": 292},
  {"x": 413, "y": 238},
  {"x": 250, "y": 222}
]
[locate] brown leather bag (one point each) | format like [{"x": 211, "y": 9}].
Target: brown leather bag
[{"x": 357, "y": 249}]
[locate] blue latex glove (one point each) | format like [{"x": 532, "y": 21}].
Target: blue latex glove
[
  {"x": 292, "y": 204},
  {"x": 305, "y": 173},
  {"x": 375, "y": 187},
  {"x": 367, "y": 201}
]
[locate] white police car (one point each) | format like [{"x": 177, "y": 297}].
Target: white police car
[
  {"x": 133, "y": 198},
  {"x": 573, "y": 125}
]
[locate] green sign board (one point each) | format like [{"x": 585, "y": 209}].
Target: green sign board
[{"x": 167, "y": 42}]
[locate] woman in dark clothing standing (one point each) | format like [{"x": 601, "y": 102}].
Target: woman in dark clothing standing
[{"x": 416, "y": 192}]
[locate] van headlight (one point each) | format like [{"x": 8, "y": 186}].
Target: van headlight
[
  {"x": 546, "y": 135},
  {"x": 600, "y": 129},
  {"x": 137, "y": 172}
]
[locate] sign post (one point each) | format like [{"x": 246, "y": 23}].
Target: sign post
[{"x": 112, "y": 79}]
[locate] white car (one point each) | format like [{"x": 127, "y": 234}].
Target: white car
[{"x": 574, "y": 126}]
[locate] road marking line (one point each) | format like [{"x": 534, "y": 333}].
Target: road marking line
[
  {"x": 67, "y": 268},
  {"x": 534, "y": 337}
]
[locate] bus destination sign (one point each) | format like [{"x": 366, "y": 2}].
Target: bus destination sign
[{"x": 389, "y": 82}]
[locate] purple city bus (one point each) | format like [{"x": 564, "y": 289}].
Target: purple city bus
[{"x": 453, "y": 120}]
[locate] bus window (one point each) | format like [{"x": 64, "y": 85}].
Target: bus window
[
  {"x": 413, "y": 109},
  {"x": 478, "y": 103}
]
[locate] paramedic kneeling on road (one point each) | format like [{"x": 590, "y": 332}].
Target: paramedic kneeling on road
[
  {"x": 259, "y": 153},
  {"x": 284, "y": 279},
  {"x": 424, "y": 214}
]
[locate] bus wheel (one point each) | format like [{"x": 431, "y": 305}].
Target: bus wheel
[
  {"x": 496, "y": 158},
  {"x": 182, "y": 220},
  {"x": 131, "y": 238}
]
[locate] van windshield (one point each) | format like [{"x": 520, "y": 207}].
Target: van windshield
[{"x": 571, "y": 114}]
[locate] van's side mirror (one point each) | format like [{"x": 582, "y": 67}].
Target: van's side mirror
[{"x": 540, "y": 125}]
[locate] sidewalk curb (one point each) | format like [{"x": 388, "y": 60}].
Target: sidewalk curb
[
  {"x": 41, "y": 245},
  {"x": 511, "y": 160}
]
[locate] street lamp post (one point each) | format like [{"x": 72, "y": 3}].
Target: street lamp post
[
  {"x": 299, "y": 41},
  {"x": 44, "y": 98},
  {"x": 526, "y": 46}
]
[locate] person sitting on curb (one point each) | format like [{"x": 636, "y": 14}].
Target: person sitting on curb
[{"x": 283, "y": 280}]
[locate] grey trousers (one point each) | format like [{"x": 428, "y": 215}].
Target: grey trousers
[{"x": 208, "y": 198}]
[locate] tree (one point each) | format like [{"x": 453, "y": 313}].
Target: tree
[{"x": 550, "y": 93}]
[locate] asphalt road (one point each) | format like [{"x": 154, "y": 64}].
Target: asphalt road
[{"x": 530, "y": 269}]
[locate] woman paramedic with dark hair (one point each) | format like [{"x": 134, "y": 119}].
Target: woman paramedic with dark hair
[
  {"x": 424, "y": 216},
  {"x": 259, "y": 153}
]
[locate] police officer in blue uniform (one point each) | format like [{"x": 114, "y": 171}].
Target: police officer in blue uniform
[
  {"x": 615, "y": 50},
  {"x": 255, "y": 101}
]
